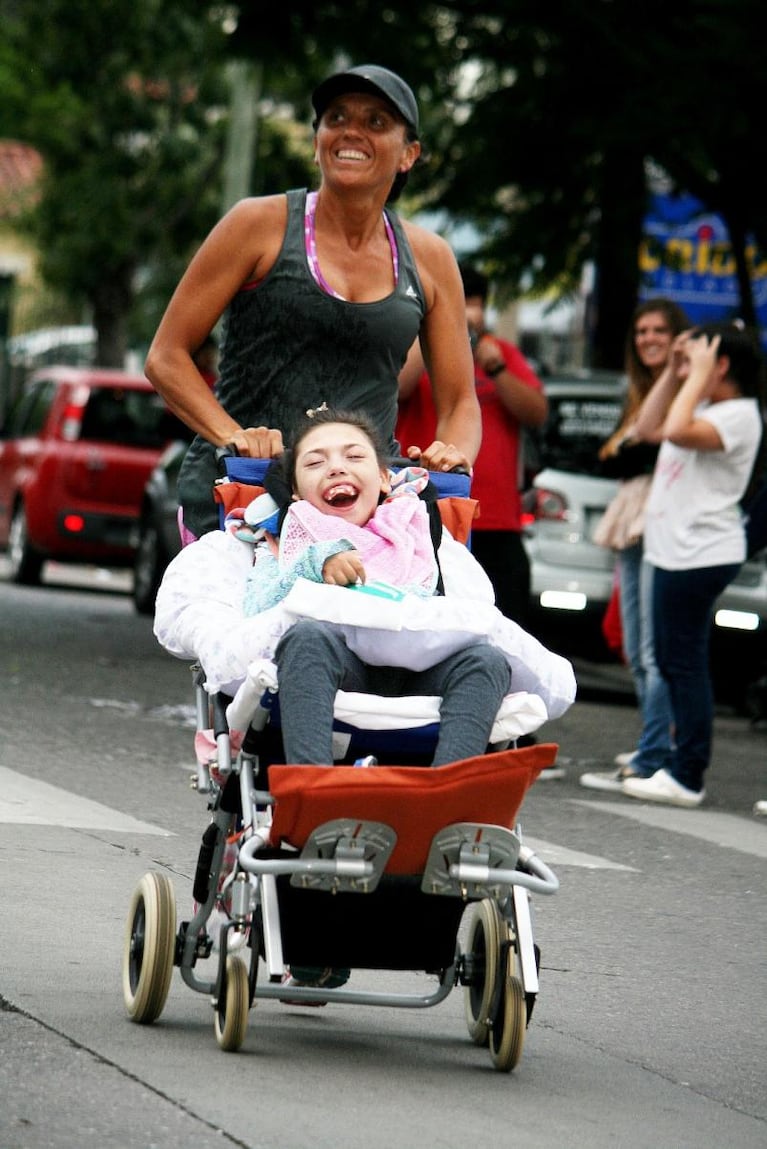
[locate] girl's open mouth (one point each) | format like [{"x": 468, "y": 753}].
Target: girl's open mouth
[{"x": 341, "y": 496}]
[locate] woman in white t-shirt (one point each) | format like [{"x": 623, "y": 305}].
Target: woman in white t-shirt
[{"x": 705, "y": 410}]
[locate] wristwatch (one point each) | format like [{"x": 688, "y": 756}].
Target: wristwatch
[{"x": 496, "y": 369}]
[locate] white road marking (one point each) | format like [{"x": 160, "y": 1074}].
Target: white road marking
[
  {"x": 30, "y": 802},
  {"x": 555, "y": 855},
  {"x": 726, "y": 830}
]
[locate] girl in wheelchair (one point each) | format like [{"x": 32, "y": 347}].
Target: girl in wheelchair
[
  {"x": 346, "y": 588},
  {"x": 349, "y": 522},
  {"x": 343, "y": 578}
]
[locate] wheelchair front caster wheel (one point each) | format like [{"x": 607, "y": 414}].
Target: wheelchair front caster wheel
[
  {"x": 149, "y": 950},
  {"x": 231, "y": 1016},
  {"x": 506, "y": 1035}
]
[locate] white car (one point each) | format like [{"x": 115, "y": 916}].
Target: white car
[{"x": 572, "y": 577}]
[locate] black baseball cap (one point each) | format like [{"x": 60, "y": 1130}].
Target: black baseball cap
[{"x": 369, "y": 78}]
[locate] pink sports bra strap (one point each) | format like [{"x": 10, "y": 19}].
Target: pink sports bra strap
[{"x": 311, "y": 246}]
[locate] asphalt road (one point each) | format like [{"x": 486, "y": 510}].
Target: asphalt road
[{"x": 649, "y": 1028}]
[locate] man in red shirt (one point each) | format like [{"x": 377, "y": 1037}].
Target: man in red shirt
[{"x": 510, "y": 396}]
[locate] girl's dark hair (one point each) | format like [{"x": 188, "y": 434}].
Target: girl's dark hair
[
  {"x": 747, "y": 371},
  {"x": 741, "y": 346}
]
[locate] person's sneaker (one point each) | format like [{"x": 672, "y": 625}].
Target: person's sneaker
[
  {"x": 237, "y": 938},
  {"x": 609, "y": 780},
  {"x": 319, "y": 978},
  {"x": 288, "y": 980},
  {"x": 627, "y": 758},
  {"x": 313, "y": 978},
  {"x": 661, "y": 787},
  {"x": 550, "y": 772},
  {"x": 760, "y": 808}
]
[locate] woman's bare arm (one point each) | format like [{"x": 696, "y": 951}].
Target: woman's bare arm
[{"x": 242, "y": 246}]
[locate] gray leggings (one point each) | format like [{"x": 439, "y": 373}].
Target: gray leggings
[{"x": 313, "y": 662}]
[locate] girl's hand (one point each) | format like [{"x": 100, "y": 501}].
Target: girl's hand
[
  {"x": 678, "y": 354},
  {"x": 701, "y": 351},
  {"x": 343, "y": 569}
]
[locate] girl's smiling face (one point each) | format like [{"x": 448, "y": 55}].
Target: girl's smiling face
[{"x": 338, "y": 472}]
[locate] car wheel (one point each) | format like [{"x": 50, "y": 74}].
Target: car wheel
[
  {"x": 26, "y": 564},
  {"x": 148, "y": 568}
]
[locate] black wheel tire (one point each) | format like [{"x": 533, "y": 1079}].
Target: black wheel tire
[
  {"x": 148, "y": 568},
  {"x": 25, "y": 563},
  {"x": 485, "y": 934}
]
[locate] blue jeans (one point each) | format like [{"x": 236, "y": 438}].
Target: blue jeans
[
  {"x": 636, "y": 584},
  {"x": 683, "y": 604}
]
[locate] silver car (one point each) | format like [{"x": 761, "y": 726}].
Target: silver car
[{"x": 571, "y": 577}]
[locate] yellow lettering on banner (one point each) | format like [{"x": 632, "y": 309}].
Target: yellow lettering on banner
[
  {"x": 701, "y": 257},
  {"x": 680, "y": 254},
  {"x": 758, "y": 266},
  {"x": 704, "y": 249},
  {"x": 722, "y": 262},
  {"x": 649, "y": 260}
]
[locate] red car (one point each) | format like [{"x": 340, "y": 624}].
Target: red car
[{"x": 75, "y": 455}]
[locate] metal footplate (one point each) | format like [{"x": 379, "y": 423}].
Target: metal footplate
[
  {"x": 463, "y": 857},
  {"x": 345, "y": 855}
]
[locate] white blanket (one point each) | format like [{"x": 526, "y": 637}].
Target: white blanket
[
  {"x": 198, "y": 615},
  {"x": 520, "y": 713}
]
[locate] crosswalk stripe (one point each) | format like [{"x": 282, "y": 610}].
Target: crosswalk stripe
[
  {"x": 30, "y": 802},
  {"x": 555, "y": 855},
  {"x": 712, "y": 826}
]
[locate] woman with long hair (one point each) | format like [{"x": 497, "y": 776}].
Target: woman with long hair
[{"x": 654, "y": 326}]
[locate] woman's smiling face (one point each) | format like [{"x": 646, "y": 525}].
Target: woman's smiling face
[
  {"x": 653, "y": 338},
  {"x": 338, "y": 472},
  {"x": 362, "y": 136}
]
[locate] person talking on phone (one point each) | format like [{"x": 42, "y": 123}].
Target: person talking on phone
[{"x": 511, "y": 396}]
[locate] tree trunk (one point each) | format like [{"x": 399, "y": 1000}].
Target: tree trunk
[
  {"x": 623, "y": 201},
  {"x": 111, "y": 302},
  {"x": 738, "y": 242}
]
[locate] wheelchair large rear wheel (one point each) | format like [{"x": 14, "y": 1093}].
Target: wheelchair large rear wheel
[
  {"x": 150, "y": 946},
  {"x": 231, "y": 1016},
  {"x": 486, "y": 933}
]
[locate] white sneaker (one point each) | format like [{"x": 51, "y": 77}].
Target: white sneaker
[
  {"x": 237, "y": 938},
  {"x": 760, "y": 808},
  {"x": 627, "y": 758},
  {"x": 661, "y": 787},
  {"x": 550, "y": 772},
  {"x": 610, "y": 780}
]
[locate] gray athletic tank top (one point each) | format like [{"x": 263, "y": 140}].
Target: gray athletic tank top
[{"x": 288, "y": 345}]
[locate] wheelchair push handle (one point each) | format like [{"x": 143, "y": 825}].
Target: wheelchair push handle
[
  {"x": 401, "y": 461},
  {"x": 229, "y": 451}
]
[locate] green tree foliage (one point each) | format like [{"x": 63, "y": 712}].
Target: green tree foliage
[
  {"x": 124, "y": 101},
  {"x": 541, "y": 123},
  {"x": 569, "y": 107}
]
